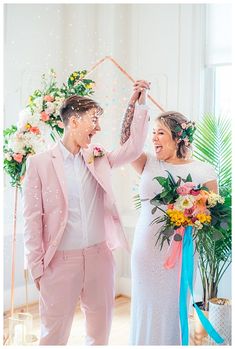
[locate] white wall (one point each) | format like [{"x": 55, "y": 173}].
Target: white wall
[{"x": 161, "y": 43}]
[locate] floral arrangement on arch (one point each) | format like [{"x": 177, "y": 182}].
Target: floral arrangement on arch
[{"x": 39, "y": 119}]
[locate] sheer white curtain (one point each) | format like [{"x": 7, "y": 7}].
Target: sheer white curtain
[{"x": 218, "y": 34}]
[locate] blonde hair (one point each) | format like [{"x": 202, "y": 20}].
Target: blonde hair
[{"x": 172, "y": 120}]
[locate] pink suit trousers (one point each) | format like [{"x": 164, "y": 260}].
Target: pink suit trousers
[{"x": 86, "y": 275}]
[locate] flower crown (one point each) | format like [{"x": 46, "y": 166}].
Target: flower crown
[{"x": 184, "y": 132}]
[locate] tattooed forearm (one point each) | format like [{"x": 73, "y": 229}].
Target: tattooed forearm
[{"x": 126, "y": 124}]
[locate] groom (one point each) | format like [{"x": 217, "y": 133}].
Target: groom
[{"x": 71, "y": 220}]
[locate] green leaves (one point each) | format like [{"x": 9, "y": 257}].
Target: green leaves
[
  {"x": 214, "y": 146},
  {"x": 9, "y": 131},
  {"x": 168, "y": 194},
  {"x": 137, "y": 201}
]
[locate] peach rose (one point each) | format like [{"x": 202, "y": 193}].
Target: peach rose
[
  {"x": 60, "y": 124},
  {"x": 48, "y": 98},
  {"x": 44, "y": 116},
  {"x": 34, "y": 130},
  {"x": 18, "y": 157}
]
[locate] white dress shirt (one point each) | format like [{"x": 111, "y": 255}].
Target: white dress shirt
[{"x": 85, "y": 225}]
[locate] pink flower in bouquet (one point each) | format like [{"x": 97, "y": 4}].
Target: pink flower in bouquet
[
  {"x": 18, "y": 157},
  {"x": 60, "y": 124},
  {"x": 194, "y": 219},
  {"x": 44, "y": 116},
  {"x": 186, "y": 141},
  {"x": 189, "y": 211},
  {"x": 34, "y": 130},
  {"x": 48, "y": 98},
  {"x": 183, "y": 125},
  {"x": 170, "y": 206},
  {"x": 194, "y": 192},
  {"x": 186, "y": 188}
]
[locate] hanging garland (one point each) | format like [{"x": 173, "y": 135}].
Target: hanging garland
[{"x": 39, "y": 119}]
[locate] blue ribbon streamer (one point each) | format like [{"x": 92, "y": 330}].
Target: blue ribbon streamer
[{"x": 185, "y": 282}]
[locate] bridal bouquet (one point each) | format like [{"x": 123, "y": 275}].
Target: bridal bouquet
[
  {"x": 190, "y": 209},
  {"x": 187, "y": 204}
]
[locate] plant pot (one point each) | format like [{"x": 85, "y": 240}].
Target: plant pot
[
  {"x": 220, "y": 318},
  {"x": 199, "y": 332}
]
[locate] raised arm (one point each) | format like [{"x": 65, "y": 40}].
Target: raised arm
[
  {"x": 134, "y": 129},
  {"x": 139, "y": 95}
]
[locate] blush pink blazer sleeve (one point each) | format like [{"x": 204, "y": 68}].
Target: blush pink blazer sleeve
[
  {"x": 133, "y": 147},
  {"x": 32, "y": 211}
]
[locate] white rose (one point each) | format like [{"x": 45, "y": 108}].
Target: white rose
[
  {"x": 24, "y": 116},
  {"x": 38, "y": 102},
  {"x": 184, "y": 202},
  {"x": 34, "y": 120},
  {"x": 8, "y": 157},
  {"x": 198, "y": 224},
  {"x": 17, "y": 146},
  {"x": 50, "y": 108},
  {"x": 38, "y": 144}
]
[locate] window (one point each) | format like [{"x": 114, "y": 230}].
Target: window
[
  {"x": 223, "y": 90},
  {"x": 218, "y": 59}
]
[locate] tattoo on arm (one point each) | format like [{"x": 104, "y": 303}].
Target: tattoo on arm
[{"x": 126, "y": 124}]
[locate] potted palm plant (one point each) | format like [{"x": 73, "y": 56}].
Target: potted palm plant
[{"x": 213, "y": 145}]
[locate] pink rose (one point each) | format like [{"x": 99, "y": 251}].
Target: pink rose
[
  {"x": 18, "y": 157},
  {"x": 186, "y": 188},
  {"x": 44, "y": 116},
  {"x": 98, "y": 152},
  {"x": 183, "y": 125},
  {"x": 190, "y": 184},
  {"x": 60, "y": 124},
  {"x": 48, "y": 98},
  {"x": 194, "y": 192}
]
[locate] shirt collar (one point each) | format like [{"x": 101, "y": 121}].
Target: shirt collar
[{"x": 66, "y": 153}]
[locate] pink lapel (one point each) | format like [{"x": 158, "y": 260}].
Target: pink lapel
[{"x": 57, "y": 161}]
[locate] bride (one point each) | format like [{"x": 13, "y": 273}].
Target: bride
[{"x": 155, "y": 308}]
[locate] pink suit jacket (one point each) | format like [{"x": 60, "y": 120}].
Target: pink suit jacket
[{"x": 45, "y": 202}]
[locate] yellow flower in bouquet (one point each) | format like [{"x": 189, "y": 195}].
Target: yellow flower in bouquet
[
  {"x": 203, "y": 218},
  {"x": 176, "y": 217}
]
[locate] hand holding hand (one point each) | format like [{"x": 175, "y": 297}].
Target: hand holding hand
[{"x": 140, "y": 91}]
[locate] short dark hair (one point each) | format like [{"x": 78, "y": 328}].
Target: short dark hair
[{"x": 77, "y": 105}]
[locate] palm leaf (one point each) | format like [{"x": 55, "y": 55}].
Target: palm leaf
[{"x": 213, "y": 145}]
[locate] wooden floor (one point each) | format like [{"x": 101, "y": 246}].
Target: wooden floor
[{"x": 120, "y": 325}]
